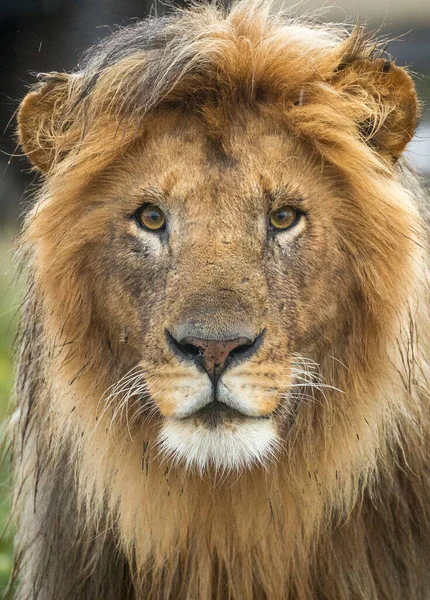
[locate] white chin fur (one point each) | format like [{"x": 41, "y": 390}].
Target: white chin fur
[{"x": 249, "y": 442}]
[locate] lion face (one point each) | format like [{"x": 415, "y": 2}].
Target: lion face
[
  {"x": 221, "y": 303},
  {"x": 209, "y": 234}
]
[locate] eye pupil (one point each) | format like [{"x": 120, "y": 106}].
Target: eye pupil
[
  {"x": 284, "y": 218},
  {"x": 151, "y": 217}
]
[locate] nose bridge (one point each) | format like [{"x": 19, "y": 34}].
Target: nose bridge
[
  {"x": 221, "y": 256},
  {"x": 220, "y": 285},
  {"x": 215, "y": 317},
  {"x": 219, "y": 278},
  {"x": 217, "y": 313}
]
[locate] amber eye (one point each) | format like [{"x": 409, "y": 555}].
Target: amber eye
[
  {"x": 151, "y": 217},
  {"x": 284, "y": 217}
]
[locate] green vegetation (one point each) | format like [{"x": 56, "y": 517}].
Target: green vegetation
[{"x": 9, "y": 304}]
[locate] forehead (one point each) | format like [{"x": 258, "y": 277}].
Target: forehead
[{"x": 180, "y": 158}]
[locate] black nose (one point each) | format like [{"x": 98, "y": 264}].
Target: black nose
[{"x": 214, "y": 355}]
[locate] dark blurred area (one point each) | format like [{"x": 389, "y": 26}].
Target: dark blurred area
[{"x": 50, "y": 35}]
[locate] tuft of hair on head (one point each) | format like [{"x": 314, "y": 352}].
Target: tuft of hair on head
[{"x": 216, "y": 61}]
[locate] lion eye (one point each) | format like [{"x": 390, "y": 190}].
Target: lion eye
[
  {"x": 284, "y": 217},
  {"x": 151, "y": 217}
]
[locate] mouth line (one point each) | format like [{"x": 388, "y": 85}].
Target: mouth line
[{"x": 216, "y": 412}]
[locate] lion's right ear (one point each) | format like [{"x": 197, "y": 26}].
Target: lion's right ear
[{"x": 41, "y": 119}]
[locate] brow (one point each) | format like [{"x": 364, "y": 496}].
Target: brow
[
  {"x": 285, "y": 193},
  {"x": 152, "y": 193}
]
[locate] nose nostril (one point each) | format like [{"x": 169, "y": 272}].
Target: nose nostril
[
  {"x": 214, "y": 356},
  {"x": 192, "y": 350},
  {"x": 242, "y": 349},
  {"x": 187, "y": 351}
]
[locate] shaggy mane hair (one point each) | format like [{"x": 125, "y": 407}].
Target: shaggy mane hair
[
  {"x": 344, "y": 513},
  {"x": 208, "y": 60}
]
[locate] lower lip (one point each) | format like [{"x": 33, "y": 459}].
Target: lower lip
[{"x": 220, "y": 413}]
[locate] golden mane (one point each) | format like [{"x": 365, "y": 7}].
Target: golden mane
[
  {"x": 308, "y": 75},
  {"x": 344, "y": 512}
]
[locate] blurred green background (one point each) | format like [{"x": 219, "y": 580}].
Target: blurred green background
[
  {"x": 49, "y": 35},
  {"x": 9, "y": 304}
]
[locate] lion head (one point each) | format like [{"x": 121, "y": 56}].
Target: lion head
[
  {"x": 218, "y": 206},
  {"x": 225, "y": 257}
]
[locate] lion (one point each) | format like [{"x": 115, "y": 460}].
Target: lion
[{"x": 222, "y": 385}]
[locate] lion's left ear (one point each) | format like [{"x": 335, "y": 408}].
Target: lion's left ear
[{"x": 392, "y": 107}]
